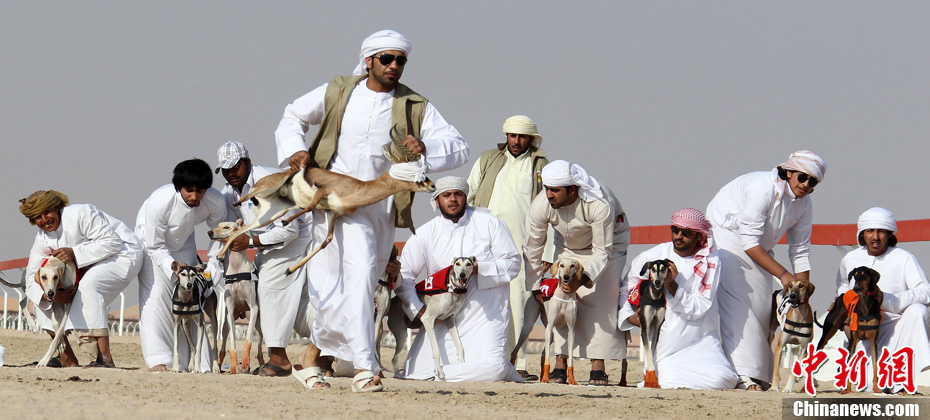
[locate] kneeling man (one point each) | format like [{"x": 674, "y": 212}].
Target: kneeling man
[
  {"x": 689, "y": 353},
  {"x": 482, "y": 322},
  {"x": 904, "y": 286}
]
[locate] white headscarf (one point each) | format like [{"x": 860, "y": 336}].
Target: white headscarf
[
  {"x": 877, "y": 218},
  {"x": 561, "y": 173},
  {"x": 448, "y": 183},
  {"x": 381, "y": 41},
  {"x": 521, "y": 124},
  {"x": 807, "y": 162}
]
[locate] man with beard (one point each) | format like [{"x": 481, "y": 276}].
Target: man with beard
[
  {"x": 590, "y": 227},
  {"x": 690, "y": 354},
  {"x": 462, "y": 231},
  {"x": 904, "y": 286},
  {"x": 356, "y": 115},
  {"x": 504, "y": 180}
]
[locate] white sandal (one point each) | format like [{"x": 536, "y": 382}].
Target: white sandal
[
  {"x": 309, "y": 377},
  {"x": 364, "y": 378}
]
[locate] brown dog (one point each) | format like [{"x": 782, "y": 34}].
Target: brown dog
[
  {"x": 798, "y": 328},
  {"x": 858, "y": 311}
]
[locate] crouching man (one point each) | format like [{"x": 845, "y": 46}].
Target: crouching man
[{"x": 689, "y": 353}]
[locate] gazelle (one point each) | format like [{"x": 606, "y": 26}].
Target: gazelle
[{"x": 315, "y": 188}]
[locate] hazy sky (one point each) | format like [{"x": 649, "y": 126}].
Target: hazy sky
[{"x": 665, "y": 102}]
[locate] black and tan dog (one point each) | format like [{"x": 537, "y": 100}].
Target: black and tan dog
[
  {"x": 798, "y": 328},
  {"x": 858, "y": 312},
  {"x": 652, "y": 313}
]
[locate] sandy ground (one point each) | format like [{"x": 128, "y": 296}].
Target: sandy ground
[{"x": 130, "y": 391}]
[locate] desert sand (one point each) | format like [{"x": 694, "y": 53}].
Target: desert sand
[{"x": 130, "y": 391}]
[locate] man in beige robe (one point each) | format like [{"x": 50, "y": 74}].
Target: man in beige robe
[
  {"x": 589, "y": 226},
  {"x": 504, "y": 180}
]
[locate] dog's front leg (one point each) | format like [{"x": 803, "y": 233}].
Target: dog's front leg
[
  {"x": 198, "y": 337},
  {"x": 875, "y": 355},
  {"x": 454, "y": 332},
  {"x": 776, "y": 351},
  {"x": 570, "y": 316},
  {"x": 429, "y": 322},
  {"x": 57, "y": 340},
  {"x": 399, "y": 329},
  {"x": 177, "y": 332},
  {"x": 190, "y": 343}
]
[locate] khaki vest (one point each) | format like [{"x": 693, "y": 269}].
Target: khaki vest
[
  {"x": 491, "y": 163},
  {"x": 407, "y": 113}
]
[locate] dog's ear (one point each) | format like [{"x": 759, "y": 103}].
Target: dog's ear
[
  {"x": 474, "y": 260},
  {"x": 200, "y": 268},
  {"x": 851, "y": 274},
  {"x": 580, "y": 271},
  {"x": 646, "y": 267},
  {"x": 175, "y": 266},
  {"x": 240, "y": 223},
  {"x": 810, "y": 288},
  {"x": 554, "y": 268},
  {"x": 875, "y": 276},
  {"x": 668, "y": 262}
]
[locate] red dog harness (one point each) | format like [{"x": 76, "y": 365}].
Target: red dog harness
[
  {"x": 547, "y": 288},
  {"x": 436, "y": 284}
]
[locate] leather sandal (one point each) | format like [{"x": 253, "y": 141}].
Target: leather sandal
[
  {"x": 596, "y": 377},
  {"x": 558, "y": 376},
  {"x": 365, "y": 378}
]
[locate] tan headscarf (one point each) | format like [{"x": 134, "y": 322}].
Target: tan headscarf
[
  {"x": 41, "y": 201},
  {"x": 521, "y": 124}
]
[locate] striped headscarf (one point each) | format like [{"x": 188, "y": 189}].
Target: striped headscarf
[{"x": 693, "y": 219}]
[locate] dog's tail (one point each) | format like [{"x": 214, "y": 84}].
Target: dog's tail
[{"x": 816, "y": 322}]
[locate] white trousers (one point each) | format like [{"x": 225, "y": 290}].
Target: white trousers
[
  {"x": 341, "y": 282},
  {"x": 745, "y": 299}
]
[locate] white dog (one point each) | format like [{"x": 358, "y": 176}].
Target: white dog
[
  {"x": 55, "y": 276},
  {"x": 187, "y": 308},
  {"x": 561, "y": 309},
  {"x": 240, "y": 295},
  {"x": 444, "y": 303}
]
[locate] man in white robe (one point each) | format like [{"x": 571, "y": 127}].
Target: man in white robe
[
  {"x": 749, "y": 216},
  {"x": 504, "y": 180},
  {"x": 589, "y": 226},
  {"x": 342, "y": 277},
  {"x": 689, "y": 353},
  {"x": 165, "y": 224},
  {"x": 904, "y": 286},
  {"x": 101, "y": 246},
  {"x": 462, "y": 231},
  {"x": 279, "y": 247}
]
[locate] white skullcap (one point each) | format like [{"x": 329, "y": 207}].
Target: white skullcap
[
  {"x": 521, "y": 124},
  {"x": 807, "y": 162},
  {"x": 446, "y": 184},
  {"x": 561, "y": 173},
  {"x": 381, "y": 41},
  {"x": 877, "y": 218}
]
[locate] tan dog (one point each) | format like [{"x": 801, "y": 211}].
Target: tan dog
[
  {"x": 798, "y": 328},
  {"x": 562, "y": 310},
  {"x": 55, "y": 276},
  {"x": 240, "y": 296}
]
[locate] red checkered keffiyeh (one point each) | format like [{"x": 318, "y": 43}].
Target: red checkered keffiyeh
[{"x": 689, "y": 218}]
